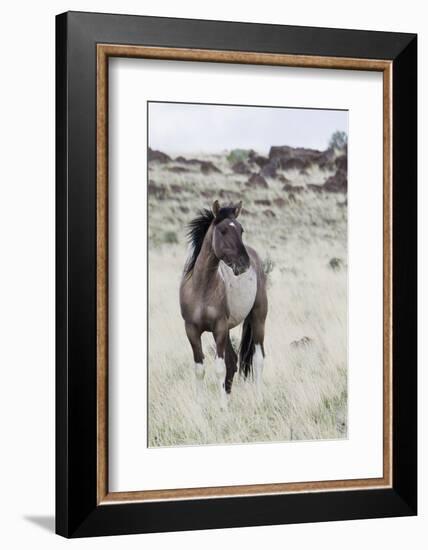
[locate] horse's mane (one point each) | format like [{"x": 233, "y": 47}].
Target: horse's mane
[{"x": 197, "y": 229}]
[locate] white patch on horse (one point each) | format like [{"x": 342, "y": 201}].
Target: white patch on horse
[
  {"x": 220, "y": 371},
  {"x": 199, "y": 376},
  {"x": 240, "y": 291},
  {"x": 198, "y": 312},
  {"x": 232, "y": 224}
]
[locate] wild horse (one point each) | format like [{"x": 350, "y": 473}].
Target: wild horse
[{"x": 223, "y": 285}]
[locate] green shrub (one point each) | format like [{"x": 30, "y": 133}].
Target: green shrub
[
  {"x": 238, "y": 155},
  {"x": 268, "y": 265},
  {"x": 170, "y": 237}
]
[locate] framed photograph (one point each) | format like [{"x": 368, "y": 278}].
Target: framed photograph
[{"x": 236, "y": 274}]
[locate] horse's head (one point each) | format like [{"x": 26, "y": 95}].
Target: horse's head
[{"x": 227, "y": 238}]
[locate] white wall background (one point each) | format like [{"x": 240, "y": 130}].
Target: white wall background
[{"x": 27, "y": 272}]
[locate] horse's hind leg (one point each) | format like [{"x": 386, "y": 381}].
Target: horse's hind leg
[
  {"x": 251, "y": 354},
  {"x": 194, "y": 337},
  {"x": 231, "y": 364}
]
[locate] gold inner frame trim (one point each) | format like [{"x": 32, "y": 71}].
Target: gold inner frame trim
[{"x": 104, "y": 51}]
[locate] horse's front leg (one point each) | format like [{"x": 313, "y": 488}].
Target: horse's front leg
[
  {"x": 221, "y": 335},
  {"x": 231, "y": 364},
  {"x": 194, "y": 336}
]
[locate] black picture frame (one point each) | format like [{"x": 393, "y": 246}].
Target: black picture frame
[{"x": 77, "y": 511}]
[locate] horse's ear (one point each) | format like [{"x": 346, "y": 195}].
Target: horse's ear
[
  {"x": 216, "y": 208},
  {"x": 238, "y": 209}
]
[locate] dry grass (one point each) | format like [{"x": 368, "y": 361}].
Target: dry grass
[{"x": 304, "y": 386}]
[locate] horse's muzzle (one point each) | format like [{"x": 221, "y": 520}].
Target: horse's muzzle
[{"x": 242, "y": 265}]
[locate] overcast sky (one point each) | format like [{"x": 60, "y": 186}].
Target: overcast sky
[{"x": 191, "y": 128}]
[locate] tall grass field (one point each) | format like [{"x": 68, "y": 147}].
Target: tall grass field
[{"x": 300, "y": 232}]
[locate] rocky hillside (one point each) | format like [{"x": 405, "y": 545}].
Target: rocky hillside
[
  {"x": 289, "y": 191},
  {"x": 296, "y": 167}
]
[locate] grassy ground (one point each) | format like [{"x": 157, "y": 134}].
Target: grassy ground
[{"x": 303, "y": 236}]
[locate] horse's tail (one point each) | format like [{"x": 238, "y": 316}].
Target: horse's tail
[{"x": 246, "y": 349}]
